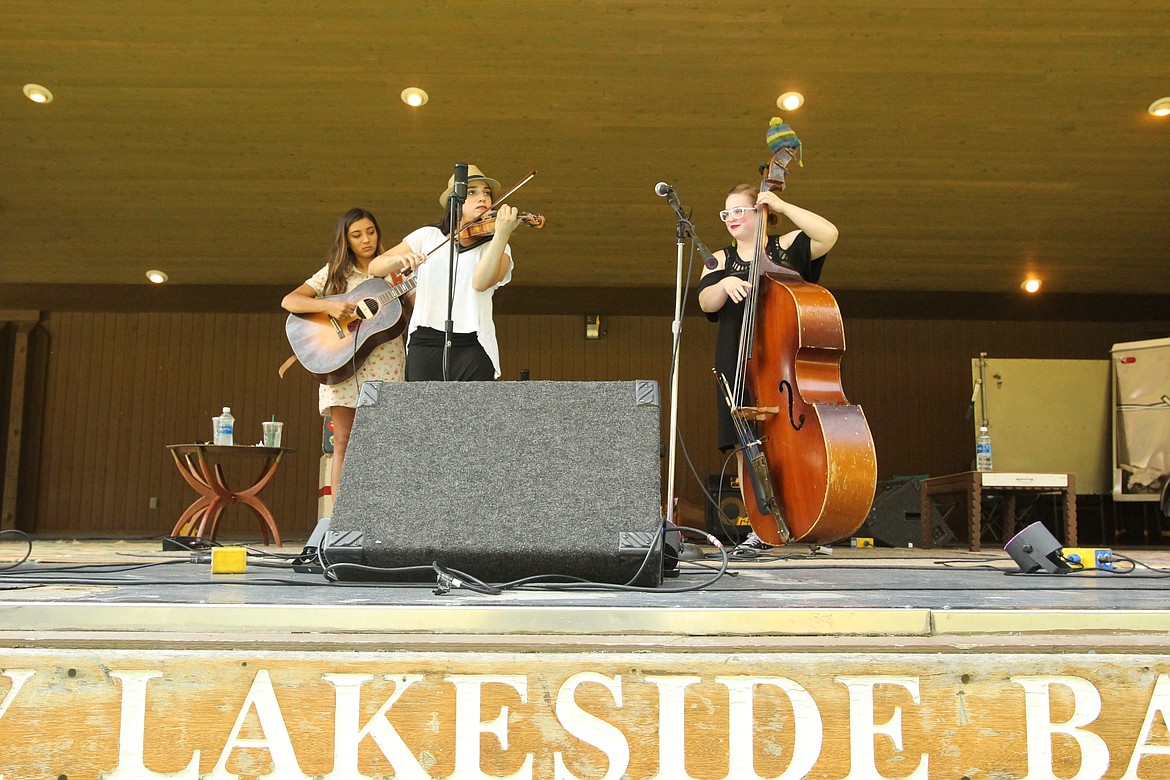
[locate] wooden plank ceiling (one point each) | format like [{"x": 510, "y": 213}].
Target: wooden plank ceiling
[{"x": 957, "y": 146}]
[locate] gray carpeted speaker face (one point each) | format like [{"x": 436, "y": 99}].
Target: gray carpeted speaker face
[{"x": 503, "y": 480}]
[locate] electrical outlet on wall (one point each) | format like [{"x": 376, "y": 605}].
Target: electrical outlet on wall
[{"x": 153, "y": 503}]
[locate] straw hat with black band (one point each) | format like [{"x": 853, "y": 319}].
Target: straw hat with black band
[{"x": 473, "y": 174}]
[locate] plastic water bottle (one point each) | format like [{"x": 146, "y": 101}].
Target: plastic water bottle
[
  {"x": 227, "y": 426},
  {"x": 983, "y": 450}
]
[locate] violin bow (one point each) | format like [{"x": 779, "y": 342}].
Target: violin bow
[{"x": 495, "y": 203}]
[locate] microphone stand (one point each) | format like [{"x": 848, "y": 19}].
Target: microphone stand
[
  {"x": 455, "y": 203},
  {"x": 684, "y": 229}
]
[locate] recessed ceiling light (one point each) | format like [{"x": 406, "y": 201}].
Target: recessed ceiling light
[
  {"x": 1031, "y": 285},
  {"x": 38, "y": 94},
  {"x": 790, "y": 101},
  {"x": 158, "y": 277},
  {"x": 415, "y": 97},
  {"x": 1160, "y": 107}
]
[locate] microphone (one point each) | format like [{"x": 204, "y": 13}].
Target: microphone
[
  {"x": 461, "y": 182},
  {"x": 664, "y": 190},
  {"x": 974, "y": 395}
]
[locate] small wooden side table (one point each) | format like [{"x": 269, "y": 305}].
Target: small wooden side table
[
  {"x": 201, "y": 465},
  {"x": 971, "y": 486}
]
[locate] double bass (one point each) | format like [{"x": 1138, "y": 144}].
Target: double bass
[{"x": 809, "y": 461}]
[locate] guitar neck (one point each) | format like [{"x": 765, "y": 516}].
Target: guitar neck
[{"x": 397, "y": 291}]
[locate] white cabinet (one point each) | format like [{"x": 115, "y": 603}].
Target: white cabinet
[{"x": 1141, "y": 418}]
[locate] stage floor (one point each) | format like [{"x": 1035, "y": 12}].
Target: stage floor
[
  {"x": 129, "y": 586},
  {"x": 120, "y": 660}
]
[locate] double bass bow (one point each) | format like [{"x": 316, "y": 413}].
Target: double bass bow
[{"x": 810, "y": 461}]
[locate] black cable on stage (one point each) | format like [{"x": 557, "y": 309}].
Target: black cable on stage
[
  {"x": 255, "y": 553},
  {"x": 27, "y": 553},
  {"x": 448, "y": 579},
  {"x": 331, "y": 568},
  {"x": 23, "y": 579},
  {"x": 693, "y": 566},
  {"x": 1161, "y": 573},
  {"x": 99, "y": 568},
  {"x": 561, "y": 583}
]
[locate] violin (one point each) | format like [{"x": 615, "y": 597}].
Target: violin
[
  {"x": 532, "y": 220},
  {"x": 486, "y": 225}
]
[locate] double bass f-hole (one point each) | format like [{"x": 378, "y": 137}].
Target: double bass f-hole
[{"x": 785, "y": 386}]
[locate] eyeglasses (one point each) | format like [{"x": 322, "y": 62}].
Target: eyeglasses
[{"x": 736, "y": 213}]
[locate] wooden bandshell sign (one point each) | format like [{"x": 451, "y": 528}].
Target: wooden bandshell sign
[{"x": 140, "y": 714}]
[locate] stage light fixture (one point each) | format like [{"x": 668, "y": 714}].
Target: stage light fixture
[
  {"x": 1031, "y": 285},
  {"x": 38, "y": 94},
  {"x": 158, "y": 277},
  {"x": 1035, "y": 549},
  {"x": 1160, "y": 107},
  {"x": 415, "y": 97},
  {"x": 790, "y": 101}
]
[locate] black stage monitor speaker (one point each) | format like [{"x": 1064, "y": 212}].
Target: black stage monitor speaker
[
  {"x": 895, "y": 518},
  {"x": 1036, "y": 549},
  {"x": 502, "y": 480}
]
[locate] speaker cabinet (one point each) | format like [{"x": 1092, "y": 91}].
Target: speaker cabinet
[
  {"x": 895, "y": 518},
  {"x": 502, "y": 480},
  {"x": 727, "y": 518}
]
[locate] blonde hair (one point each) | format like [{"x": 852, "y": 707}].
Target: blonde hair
[{"x": 753, "y": 191}]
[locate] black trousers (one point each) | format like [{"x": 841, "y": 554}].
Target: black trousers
[{"x": 469, "y": 361}]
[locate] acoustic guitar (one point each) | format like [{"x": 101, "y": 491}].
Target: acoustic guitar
[{"x": 332, "y": 350}]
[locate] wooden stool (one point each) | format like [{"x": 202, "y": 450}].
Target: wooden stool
[{"x": 971, "y": 486}]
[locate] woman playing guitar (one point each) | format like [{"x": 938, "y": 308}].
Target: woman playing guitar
[
  {"x": 357, "y": 240},
  {"x": 724, "y": 287}
]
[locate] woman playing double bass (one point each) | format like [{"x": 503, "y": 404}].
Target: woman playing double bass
[{"x": 723, "y": 288}]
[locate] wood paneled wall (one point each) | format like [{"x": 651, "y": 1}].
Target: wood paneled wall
[
  {"x": 120, "y": 387},
  {"x": 123, "y": 386}
]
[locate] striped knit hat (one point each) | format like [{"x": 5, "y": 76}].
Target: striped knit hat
[{"x": 781, "y": 136}]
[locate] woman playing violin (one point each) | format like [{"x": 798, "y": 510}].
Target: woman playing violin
[
  {"x": 483, "y": 263},
  {"x": 723, "y": 288}
]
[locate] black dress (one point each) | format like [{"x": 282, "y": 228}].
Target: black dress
[{"x": 798, "y": 257}]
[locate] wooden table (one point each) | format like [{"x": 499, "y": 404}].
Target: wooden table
[
  {"x": 202, "y": 466},
  {"x": 972, "y": 486}
]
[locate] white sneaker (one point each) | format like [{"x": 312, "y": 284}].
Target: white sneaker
[{"x": 750, "y": 547}]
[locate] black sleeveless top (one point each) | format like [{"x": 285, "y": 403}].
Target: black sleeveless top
[{"x": 798, "y": 257}]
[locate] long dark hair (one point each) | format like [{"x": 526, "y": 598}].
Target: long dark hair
[
  {"x": 444, "y": 224},
  {"x": 341, "y": 259}
]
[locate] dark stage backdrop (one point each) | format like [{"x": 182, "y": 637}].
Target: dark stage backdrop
[{"x": 109, "y": 391}]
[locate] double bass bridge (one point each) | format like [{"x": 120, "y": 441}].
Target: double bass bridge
[{"x": 756, "y": 413}]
